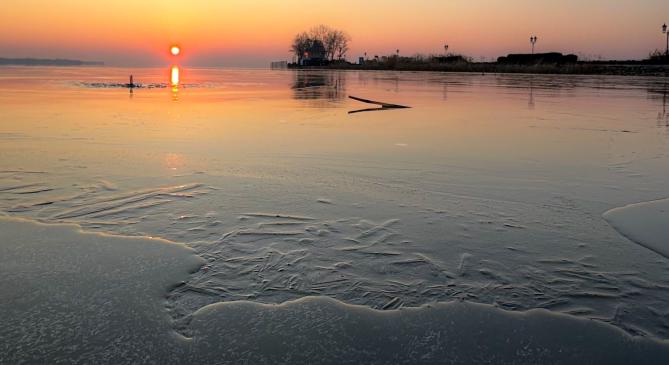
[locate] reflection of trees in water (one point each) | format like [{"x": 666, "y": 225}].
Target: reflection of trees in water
[
  {"x": 319, "y": 85},
  {"x": 660, "y": 92}
]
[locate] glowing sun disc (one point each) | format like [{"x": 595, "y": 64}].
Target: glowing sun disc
[{"x": 175, "y": 50}]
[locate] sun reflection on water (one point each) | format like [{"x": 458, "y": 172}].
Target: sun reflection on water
[
  {"x": 174, "y": 76},
  {"x": 174, "y": 80}
]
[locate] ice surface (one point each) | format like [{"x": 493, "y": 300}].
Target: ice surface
[
  {"x": 75, "y": 297},
  {"x": 644, "y": 223},
  {"x": 323, "y": 330},
  {"x": 490, "y": 189}
]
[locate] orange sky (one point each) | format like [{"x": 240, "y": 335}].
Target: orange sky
[{"x": 236, "y": 32}]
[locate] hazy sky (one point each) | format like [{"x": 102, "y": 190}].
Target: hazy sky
[{"x": 254, "y": 32}]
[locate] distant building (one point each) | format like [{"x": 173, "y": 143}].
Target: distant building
[
  {"x": 538, "y": 58},
  {"x": 315, "y": 55}
]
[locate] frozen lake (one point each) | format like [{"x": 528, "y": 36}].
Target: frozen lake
[{"x": 509, "y": 191}]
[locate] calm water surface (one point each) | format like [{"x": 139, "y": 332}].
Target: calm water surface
[{"x": 489, "y": 189}]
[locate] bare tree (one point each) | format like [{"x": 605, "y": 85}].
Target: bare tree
[
  {"x": 301, "y": 44},
  {"x": 334, "y": 41},
  {"x": 326, "y": 35},
  {"x": 340, "y": 41},
  {"x": 320, "y": 32}
]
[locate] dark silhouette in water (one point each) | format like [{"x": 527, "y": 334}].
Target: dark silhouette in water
[
  {"x": 131, "y": 84},
  {"x": 384, "y": 106}
]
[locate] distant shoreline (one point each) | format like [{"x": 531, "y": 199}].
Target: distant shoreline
[
  {"x": 582, "y": 68},
  {"x": 46, "y": 62}
]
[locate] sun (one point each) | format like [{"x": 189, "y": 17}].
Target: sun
[{"x": 175, "y": 50}]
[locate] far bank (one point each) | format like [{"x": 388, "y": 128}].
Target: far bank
[{"x": 583, "y": 68}]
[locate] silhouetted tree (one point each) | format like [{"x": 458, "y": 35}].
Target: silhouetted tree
[
  {"x": 335, "y": 42},
  {"x": 340, "y": 43},
  {"x": 301, "y": 44}
]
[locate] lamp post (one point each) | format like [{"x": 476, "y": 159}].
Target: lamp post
[
  {"x": 533, "y": 41},
  {"x": 664, "y": 31}
]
